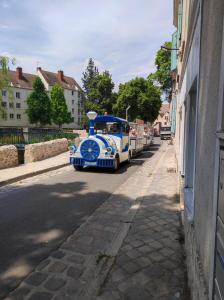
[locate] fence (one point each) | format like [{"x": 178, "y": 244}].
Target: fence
[{"x": 11, "y": 136}]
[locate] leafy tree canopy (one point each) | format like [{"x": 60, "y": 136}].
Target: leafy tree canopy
[
  {"x": 163, "y": 65},
  {"x": 59, "y": 109},
  {"x": 101, "y": 97},
  {"x": 39, "y": 105},
  {"x": 143, "y": 97}
]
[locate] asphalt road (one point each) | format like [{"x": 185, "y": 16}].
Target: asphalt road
[{"x": 39, "y": 213}]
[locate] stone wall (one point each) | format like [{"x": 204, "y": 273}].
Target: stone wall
[
  {"x": 8, "y": 156},
  {"x": 40, "y": 151}
]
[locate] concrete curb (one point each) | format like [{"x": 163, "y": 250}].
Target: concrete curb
[{"x": 31, "y": 174}]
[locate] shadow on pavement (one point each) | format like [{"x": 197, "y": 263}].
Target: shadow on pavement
[{"x": 35, "y": 225}]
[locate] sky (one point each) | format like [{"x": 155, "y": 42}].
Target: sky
[{"x": 122, "y": 36}]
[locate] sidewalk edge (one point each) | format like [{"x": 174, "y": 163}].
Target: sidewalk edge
[{"x": 31, "y": 174}]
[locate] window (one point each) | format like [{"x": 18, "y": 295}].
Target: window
[
  {"x": 73, "y": 111},
  {"x": 73, "y": 102},
  {"x": 11, "y": 105},
  {"x": 18, "y": 116},
  {"x": 4, "y": 115},
  {"x": 4, "y": 93},
  {"x": 72, "y": 93},
  {"x": 18, "y": 105},
  {"x": 4, "y": 104},
  {"x": 191, "y": 113},
  {"x": 11, "y": 116},
  {"x": 18, "y": 95}
]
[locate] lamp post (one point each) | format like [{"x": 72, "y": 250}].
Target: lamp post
[
  {"x": 129, "y": 106},
  {"x": 92, "y": 116}
]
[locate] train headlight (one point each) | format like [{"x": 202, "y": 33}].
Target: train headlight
[
  {"x": 109, "y": 149},
  {"x": 72, "y": 149}
]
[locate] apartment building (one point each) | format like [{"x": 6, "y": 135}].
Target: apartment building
[
  {"x": 72, "y": 91},
  {"x": 14, "y": 99},
  {"x": 198, "y": 98}
]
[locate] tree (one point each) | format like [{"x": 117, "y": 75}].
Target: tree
[
  {"x": 5, "y": 82},
  {"x": 59, "y": 109},
  {"x": 101, "y": 96},
  {"x": 163, "y": 65},
  {"x": 143, "y": 97},
  {"x": 39, "y": 105},
  {"x": 89, "y": 75}
]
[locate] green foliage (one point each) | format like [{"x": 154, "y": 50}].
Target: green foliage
[
  {"x": 5, "y": 82},
  {"x": 59, "y": 109},
  {"x": 89, "y": 75},
  {"x": 143, "y": 97},
  {"x": 39, "y": 105},
  {"x": 163, "y": 65},
  {"x": 100, "y": 97}
]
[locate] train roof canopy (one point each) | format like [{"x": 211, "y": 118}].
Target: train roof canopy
[{"x": 109, "y": 119}]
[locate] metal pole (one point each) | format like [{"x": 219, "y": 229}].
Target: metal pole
[
  {"x": 91, "y": 127},
  {"x": 127, "y": 111}
]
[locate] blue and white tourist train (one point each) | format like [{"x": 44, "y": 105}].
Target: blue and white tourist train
[{"x": 106, "y": 146}]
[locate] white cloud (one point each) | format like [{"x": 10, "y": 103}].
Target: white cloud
[{"x": 121, "y": 36}]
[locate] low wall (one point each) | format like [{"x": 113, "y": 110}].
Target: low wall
[
  {"x": 8, "y": 156},
  {"x": 40, "y": 151}
]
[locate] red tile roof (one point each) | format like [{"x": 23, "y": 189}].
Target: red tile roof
[
  {"x": 52, "y": 79},
  {"x": 165, "y": 108},
  {"x": 24, "y": 82}
]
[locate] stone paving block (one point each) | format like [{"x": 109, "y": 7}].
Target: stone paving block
[
  {"x": 36, "y": 278},
  {"x": 40, "y": 296},
  {"x": 20, "y": 293},
  {"x": 166, "y": 252},
  {"x": 125, "y": 285},
  {"x": 136, "y": 243},
  {"x": 131, "y": 267},
  {"x": 137, "y": 293},
  {"x": 74, "y": 272},
  {"x": 76, "y": 258},
  {"x": 57, "y": 267},
  {"x": 139, "y": 278},
  {"x": 133, "y": 253},
  {"x": 144, "y": 261},
  {"x": 54, "y": 283},
  {"x": 118, "y": 275},
  {"x": 146, "y": 249}
]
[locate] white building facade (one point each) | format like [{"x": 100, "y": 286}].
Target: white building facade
[{"x": 199, "y": 138}]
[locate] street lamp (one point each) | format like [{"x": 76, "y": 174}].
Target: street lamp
[
  {"x": 129, "y": 106},
  {"x": 92, "y": 116}
]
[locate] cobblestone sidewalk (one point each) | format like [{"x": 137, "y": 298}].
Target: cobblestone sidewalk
[{"x": 150, "y": 263}]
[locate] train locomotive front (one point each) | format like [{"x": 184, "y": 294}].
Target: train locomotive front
[{"x": 106, "y": 146}]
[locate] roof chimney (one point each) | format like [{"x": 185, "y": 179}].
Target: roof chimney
[
  {"x": 60, "y": 75},
  {"x": 19, "y": 73}
]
